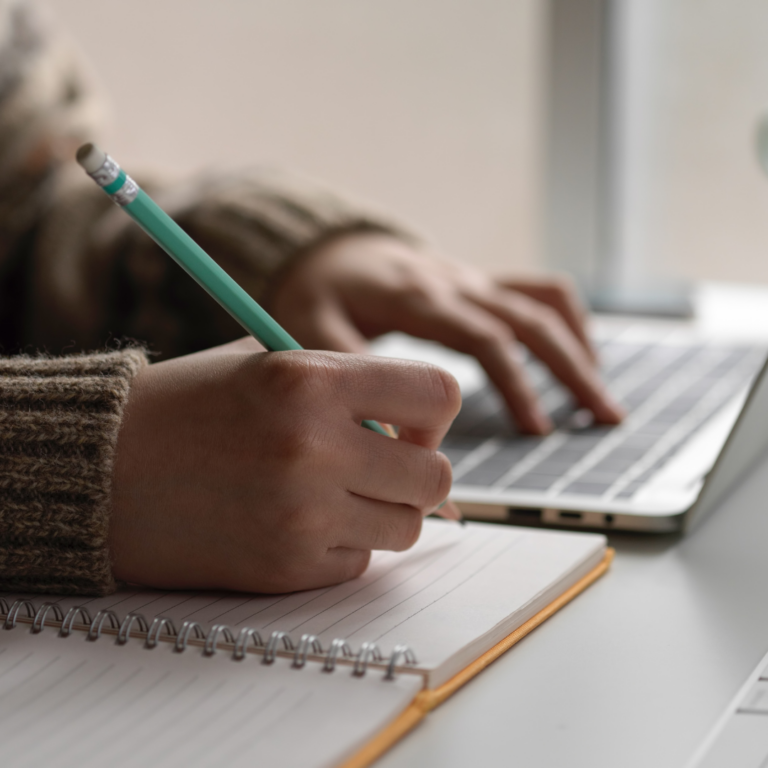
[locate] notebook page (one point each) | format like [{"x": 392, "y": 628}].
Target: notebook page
[
  {"x": 457, "y": 592},
  {"x": 67, "y": 702}
]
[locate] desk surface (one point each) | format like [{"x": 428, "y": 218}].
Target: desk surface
[{"x": 637, "y": 669}]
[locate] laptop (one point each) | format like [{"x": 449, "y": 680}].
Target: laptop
[
  {"x": 740, "y": 736},
  {"x": 696, "y": 404}
]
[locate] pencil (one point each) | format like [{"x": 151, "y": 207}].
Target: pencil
[{"x": 190, "y": 256}]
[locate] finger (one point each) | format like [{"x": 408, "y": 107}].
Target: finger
[
  {"x": 369, "y": 524},
  {"x": 545, "y": 333},
  {"x": 468, "y": 328},
  {"x": 397, "y": 472},
  {"x": 423, "y": 399},
  {"x": 327, "y": 326},
  {"x": 562, "y": 297}
]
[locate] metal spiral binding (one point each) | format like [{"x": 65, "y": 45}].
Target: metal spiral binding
[
  {"x": 241, "y": 644},
  {"x": 38, "y": 623},
  {"x": 337, "y": 646},
  {"x": 69, "y": 620},
  {"x": 368, "y": 652},
  {"x": 306, "y": 643},
  {"x": 270, "y": 652},
  {"x": 213, "y": 637},
  {"x": 94, "y": 633},
  {"x": 183, "y": 637},
  {"x": 399, "y": 650},
  {"x": 125, "y": 628},
  {"x": 13, "y": 613},
  {"x": 160, "y": 626}
]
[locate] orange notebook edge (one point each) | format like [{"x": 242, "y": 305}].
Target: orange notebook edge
[{"x": 427, "y": 700}]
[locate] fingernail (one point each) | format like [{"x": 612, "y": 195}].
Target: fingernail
[
  {"x": 543, "y": 422},
  {"x": 449, "y": 511},
  {"x": 616, "y": 408}
]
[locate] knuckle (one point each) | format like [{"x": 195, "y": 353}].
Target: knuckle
[
  {"x": 417, "y": 290},
  {"x": 402, "y": 530},
  {"x": 437, "y": 478},
  {"x": 411, "y": 530},
  {"x": 444, "y": 476},
  {"x": 285, "y": 574},
  {"x": 542, "y": 321},
  {"x": 563, "y": 284},
  {"x": 492, "y": 338},
  {"x": 302, "y": 378},
  {"x": 356, "y": 565}
]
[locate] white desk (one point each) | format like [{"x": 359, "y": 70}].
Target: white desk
[{"x": 637, "y": 669}]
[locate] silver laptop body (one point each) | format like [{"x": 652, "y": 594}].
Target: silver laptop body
[{"x": 697, "y": 420}]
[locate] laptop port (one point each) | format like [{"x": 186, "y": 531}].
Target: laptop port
[
  {"x": 608, "y": 519},
  {"x": 532, "y": 515},
  {"x": 571, "y": 515}
]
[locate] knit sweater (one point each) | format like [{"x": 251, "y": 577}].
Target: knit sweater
[{"x": 76, "y": 275}]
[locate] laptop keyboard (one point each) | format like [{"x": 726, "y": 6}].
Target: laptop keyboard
[{"x": 669, "y": 391}]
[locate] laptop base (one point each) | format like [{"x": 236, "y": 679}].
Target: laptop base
[{"x": 602, "y": 521}]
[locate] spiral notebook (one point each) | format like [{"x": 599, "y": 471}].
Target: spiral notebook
[{"x": 327, "y": 677}]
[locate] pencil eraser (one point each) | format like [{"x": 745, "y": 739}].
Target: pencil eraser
[{"x": 91, "y": 157}]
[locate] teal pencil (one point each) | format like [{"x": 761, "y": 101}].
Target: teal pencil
[{"x": 188, "y": 254}]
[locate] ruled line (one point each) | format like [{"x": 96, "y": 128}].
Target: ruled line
[
  {"x": 16, "y": 664},
  {"x": 80, "y": 713},
  {"x": 19, "y": 730},
  {"x": 9, "y": 691},
  {"x": 397, "y": 566},
  {"x": 53, "y": 685},
  {"x": 254, "y": 739},
  {"x": 166, "y": 725},
  {"x": 261, "y": 610},
  {"x": 512, "y": 545},
  {"x": 437, "y": 557},
  {"x": 482, "y": 546}
]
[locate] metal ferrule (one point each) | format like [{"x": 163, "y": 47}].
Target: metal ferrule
[
  {"x": 107, "y": 173},
  {"x": 127, "y": 193},
  {"x": 115, "y": 182}
]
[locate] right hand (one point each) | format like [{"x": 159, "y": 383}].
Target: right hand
[
  {"x": 357, "y": 286},
  {"x": 246, "y": 470}
]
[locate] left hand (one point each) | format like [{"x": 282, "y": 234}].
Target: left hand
[{"x": 359, "y": 286}]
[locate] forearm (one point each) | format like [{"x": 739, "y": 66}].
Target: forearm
[
  {"x": 59, "y": 421},
  {"x": 119, "y": 283}
]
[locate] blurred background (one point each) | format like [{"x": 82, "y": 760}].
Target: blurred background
[{"x": 606, "y": 137}]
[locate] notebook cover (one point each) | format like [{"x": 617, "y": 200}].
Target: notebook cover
[{"x": 427, "y": 700}]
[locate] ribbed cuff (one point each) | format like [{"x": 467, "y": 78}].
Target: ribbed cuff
[{"x": 59, "y": 421}]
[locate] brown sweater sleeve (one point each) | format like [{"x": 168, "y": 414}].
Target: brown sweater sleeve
[
  {"x": 76, "y": 272},
  {"x": 96, "y": 276},
  {"x": 59, "y": 421}
]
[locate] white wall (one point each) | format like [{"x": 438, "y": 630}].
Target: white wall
[
  {"x": 429, "y": 108},
  {"x": 697, "y": 203}
]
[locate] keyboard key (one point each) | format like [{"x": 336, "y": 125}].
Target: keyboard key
[
  {"x": 495, "y": 466},
  {"x": 533, "y": 482}
]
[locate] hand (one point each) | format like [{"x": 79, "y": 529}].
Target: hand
[
  {"x": 240, "y": 469},
  {"x": 357, "y": 287}
]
